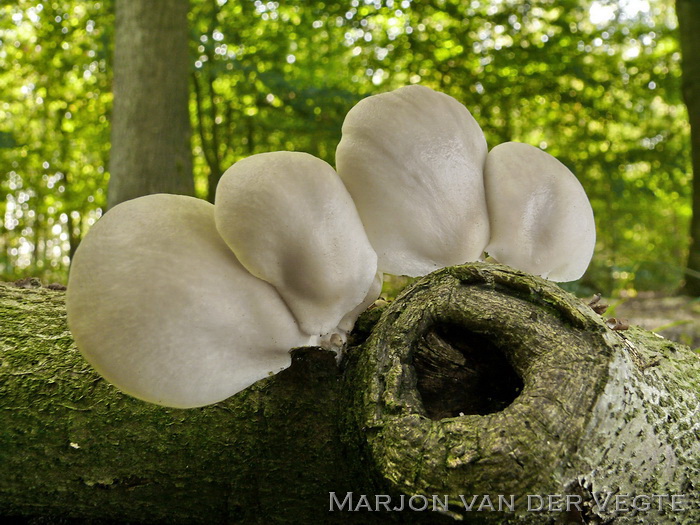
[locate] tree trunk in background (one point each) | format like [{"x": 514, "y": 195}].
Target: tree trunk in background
[
  {"x": 477, "y": 380},
  {"x": 688, "y": 21},
  {"x": 151, "y": 150}
]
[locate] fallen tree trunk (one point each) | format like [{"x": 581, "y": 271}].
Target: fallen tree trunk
[{"x": 481, "y": 394}]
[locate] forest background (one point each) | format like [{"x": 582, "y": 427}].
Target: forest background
[{"x": 596, "y": 83}]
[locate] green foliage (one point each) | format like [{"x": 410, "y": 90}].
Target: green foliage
[
  {"x": 54, "y": 130},
  {"x": 593, "y": 83}
]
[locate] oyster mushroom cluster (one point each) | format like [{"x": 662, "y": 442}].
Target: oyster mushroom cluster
[{"x": 184, "y": 303}]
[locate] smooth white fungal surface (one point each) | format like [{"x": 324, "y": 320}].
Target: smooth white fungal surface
[
  {"x": 413, "y": 162},
  {"x": 160, "y": 306},
  {"x": 541, "y": 219},
  {"x": 291, "y": 222},
  {"x": 348, "y": 321}
]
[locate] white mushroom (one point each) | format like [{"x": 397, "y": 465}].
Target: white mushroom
[
  {"x": 160, "y": 306},
  {"x": 413, "y": 162},
  {"x": 348, "y": 321},
  {"x": 291, "y": 222},
  {"x": 541, "y": 219}
]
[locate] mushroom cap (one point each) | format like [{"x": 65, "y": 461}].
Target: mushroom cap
[
  {"x": 160, "y": 306},
  {"x": 291, "y": 222},
  {"x": 413, "y": 162},
  {"x": 541, "y": 219}
]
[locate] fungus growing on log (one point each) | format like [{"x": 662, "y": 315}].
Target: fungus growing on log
[
  {"x": 197, "y": 302},
  {"x": 415, "y": 162},
  {"x": 478, "y": 379}
]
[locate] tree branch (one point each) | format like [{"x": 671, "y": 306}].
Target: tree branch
[{"x": 477, "y": 381}]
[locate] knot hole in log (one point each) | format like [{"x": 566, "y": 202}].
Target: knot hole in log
[{"x": 460, "y": 372}]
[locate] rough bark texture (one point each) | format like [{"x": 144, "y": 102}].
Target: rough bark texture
[
  {"x": 478, "y": 381},
  {"x": 688, "y": 19},
  {"x": 151, "y": 150},
  {"x": 589, "y": 410},
  {"x": 72, "y": 446}
]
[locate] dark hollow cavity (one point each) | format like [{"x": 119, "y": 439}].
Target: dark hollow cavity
[{"x": 460, "y": 372}]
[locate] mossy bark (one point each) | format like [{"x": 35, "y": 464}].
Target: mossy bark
[{"x": 478, "y": 381}]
